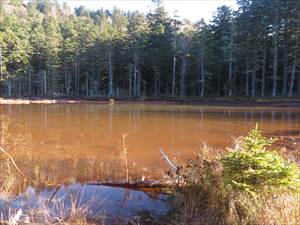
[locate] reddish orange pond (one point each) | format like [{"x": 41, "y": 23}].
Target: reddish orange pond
[{"x": 83, "y": 142}]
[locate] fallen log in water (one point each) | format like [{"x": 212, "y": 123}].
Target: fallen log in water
[{"x": 147, "y": 186}]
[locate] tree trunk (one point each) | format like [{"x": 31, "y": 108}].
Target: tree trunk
[
  {"x": 66, "y": 78},
  {"x": 45, "y": 82},
  {"x": 285, "y": 72},
  {"x": 298, "y": 86},
  {"x": 219, "y": 85},
  {"x": 253, "y": 77},
  {"x": 9, "y": 87},
  {"x": 87, "y": 84},
  {"x": 294, "y": 67},
  {"x": 263, "y": 76},
  {"x": 130, "y": 79},
  {"x": 275, "y": 60},
  {"x": 0, "y": 62},
  {"x": 76, "y": 75},
  {"x": 174, "y": 68},
  {"x": 110, "y": 71},
  {"x": 230, "y": 63},
  {"x": 247, "y": 79},
  {"x": 202, "y": 72},
  {"x": 182, "y": 77},
  {"x": 29, "y": 80},
  {"x": 156, "y": 81},
  {"x": 135, "y": 65},
  {"x": 292, "y": 80},
  {"x": 139, "y": 83}
]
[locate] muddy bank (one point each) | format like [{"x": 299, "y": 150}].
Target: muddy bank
[{"x": 242, "y": 102}]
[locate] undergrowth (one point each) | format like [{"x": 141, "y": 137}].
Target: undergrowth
[{"x": 246, "y": 186}]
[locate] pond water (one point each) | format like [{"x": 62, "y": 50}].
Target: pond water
[
  {"x": 66, "y": 143},
  {"x": 98, "y": 203}
]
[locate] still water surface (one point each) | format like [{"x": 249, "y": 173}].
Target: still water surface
[{"x": 83, "y": 142}]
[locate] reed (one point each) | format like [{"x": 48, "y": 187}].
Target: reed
[{"x": 125, "y": 151}]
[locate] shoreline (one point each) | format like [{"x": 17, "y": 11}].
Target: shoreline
[{"x": 235, "y": 102}]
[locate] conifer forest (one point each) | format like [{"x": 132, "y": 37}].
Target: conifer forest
[{"x": 48, "y": 49}]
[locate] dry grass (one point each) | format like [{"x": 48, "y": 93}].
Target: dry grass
[{"x": 206, "y": 200}]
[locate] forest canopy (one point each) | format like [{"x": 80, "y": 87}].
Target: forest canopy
[{"x": 47, "y": 49}]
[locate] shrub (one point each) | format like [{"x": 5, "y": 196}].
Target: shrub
[
  {"x": 216, "y": 187},
  {"x": 250, "y": 167}
]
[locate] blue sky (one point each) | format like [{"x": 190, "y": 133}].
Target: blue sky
[{"x": 191, "y": 9}]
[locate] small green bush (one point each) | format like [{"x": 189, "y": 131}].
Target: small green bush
[{"x": 250, "y": 167}]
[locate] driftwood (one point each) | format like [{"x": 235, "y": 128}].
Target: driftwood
[{"x": 171, "y": 164}]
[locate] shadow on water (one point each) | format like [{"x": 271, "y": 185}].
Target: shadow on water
[{"x": 101, "y": 202}]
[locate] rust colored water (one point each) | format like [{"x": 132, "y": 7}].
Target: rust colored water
[{"x": 83, "y": 142}]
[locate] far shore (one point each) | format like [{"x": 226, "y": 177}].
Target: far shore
[{"x": 209, "y": 101}]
